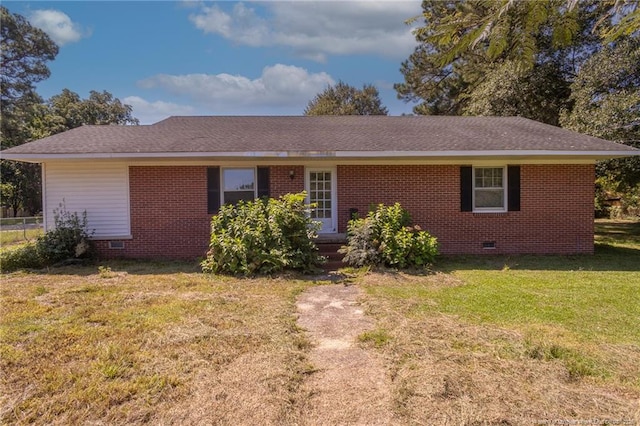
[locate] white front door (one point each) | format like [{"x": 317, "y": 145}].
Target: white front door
[{"x": 321, "y": 190}]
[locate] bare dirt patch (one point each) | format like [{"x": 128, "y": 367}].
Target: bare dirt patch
[{"x": 350, "y": 385}]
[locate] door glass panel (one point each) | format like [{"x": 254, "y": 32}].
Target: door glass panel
[{"x": 320, "y": 194}]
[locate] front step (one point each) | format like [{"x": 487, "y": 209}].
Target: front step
[{"x": 328, "y": 246}]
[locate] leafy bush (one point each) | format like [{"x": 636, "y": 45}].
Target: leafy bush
[
  {"x": 68, "y": 240},
  {"x": 386, "y": 237},
  {"x": 262, "y": 237}
]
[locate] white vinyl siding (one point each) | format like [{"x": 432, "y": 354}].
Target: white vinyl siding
[{"x": 100, "y": 188}]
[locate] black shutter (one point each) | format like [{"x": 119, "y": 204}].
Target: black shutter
[
  {"x": 263, "y": 182},
  {"x": 466, "y": 189},
  {"x": 213, "y": 189},
  {"x": 513, "y": 189}
]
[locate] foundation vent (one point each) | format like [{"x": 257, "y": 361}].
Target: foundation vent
[
  {"x": 116, "y": 245},
  {"x": 488, "y": 245}
]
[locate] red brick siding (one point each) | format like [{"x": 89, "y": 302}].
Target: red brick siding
[
  {"x": 556, "y": 213},
  {"x": 281, "y": 182},
  {"x": 169, "y": 216}
]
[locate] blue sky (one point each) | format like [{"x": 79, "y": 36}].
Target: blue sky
[{"x": 223, "y": 58}]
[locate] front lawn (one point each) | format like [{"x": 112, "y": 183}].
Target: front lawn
[
  {"x": 481, "y": 340},
  {"x": 148, "y": 342},
  {"x": 483, "y": 337}
]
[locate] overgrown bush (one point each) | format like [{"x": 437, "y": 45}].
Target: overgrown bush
[
  {"x": 262, "y": 237},
  {"x": 627, "y": 199},
  {"x": 69, "y": 239},
  {"x": 387, "y": 237}
]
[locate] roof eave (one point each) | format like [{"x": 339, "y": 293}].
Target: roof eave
[{"x": 328, "y": 155}]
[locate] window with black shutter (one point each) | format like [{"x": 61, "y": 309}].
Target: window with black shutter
[
  {"x": 228, "y": 185},
  {"x": 489, "y": 189}
]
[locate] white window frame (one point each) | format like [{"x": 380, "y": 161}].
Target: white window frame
[
  {"x": 222, "y": 187},
  {"x": 505, "y": 187}
]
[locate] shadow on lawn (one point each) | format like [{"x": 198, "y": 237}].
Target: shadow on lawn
[
  {"x": 606, "y": 258},
  {"x": 131, "y": 267}
]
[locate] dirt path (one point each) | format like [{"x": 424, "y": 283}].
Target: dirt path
[{"x": 350, "y": 386}]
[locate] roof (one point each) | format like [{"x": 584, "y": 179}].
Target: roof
[{"x": 325, "y": 136}]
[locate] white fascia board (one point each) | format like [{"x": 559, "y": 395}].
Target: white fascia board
[{"x": 363, "y": 155}]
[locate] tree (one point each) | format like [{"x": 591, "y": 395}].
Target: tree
[
  {"x": 24, "y": 53},
  {"x": 67, "y": 111},
  {"x": 343, "y": 99},
  {"x": 450, "y": 75},
  {"x": 512, "y": 29},
  {"x": 540, "y": 93},
  {"x": 606, "y": 104},
  {"x": 440, "y": 89}
]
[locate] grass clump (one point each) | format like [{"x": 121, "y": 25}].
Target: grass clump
[{"x": 377, "y": 338}]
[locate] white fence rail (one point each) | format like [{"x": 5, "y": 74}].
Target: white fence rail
[{"x": 20, "y": 223}]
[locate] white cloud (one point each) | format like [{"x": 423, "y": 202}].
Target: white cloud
[
  {"x": 315, "y": 29},
  {"x": 279, "y": 86},
  {"x": 152, "y": 112},
  {"x": 57, "y": 25}
]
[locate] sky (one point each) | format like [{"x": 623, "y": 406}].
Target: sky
[{"x": 223, "y": 58}]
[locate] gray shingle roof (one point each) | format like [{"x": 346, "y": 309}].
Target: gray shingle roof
[{"x": 302, "y": 136}]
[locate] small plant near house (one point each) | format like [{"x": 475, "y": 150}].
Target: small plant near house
[
  {"x": 386, "y": 237},
  {"x": 68, "y": 240},
  {"x": 105, "y": 272},
  {"x": 262, "y": 237}
]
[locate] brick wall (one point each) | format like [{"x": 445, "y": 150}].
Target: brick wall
[
  {"x": 169, "y": 216},
  {"x": 281, "y": 182},
  {"x": 556, "y": 213}
]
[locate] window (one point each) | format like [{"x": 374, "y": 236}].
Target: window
[
  {"x": 489, "y": 189},
  {"x": 238, "y": 184},
  {"x": 229, "y": 185}
]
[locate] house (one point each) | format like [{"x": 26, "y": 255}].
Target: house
[{"x": 479, "y": 184}]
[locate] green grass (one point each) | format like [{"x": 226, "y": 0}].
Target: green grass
[
  {"x": 579, "y": 309},
  {"x": 618, "y": 233},
  {"x": 11, "y": 237}
]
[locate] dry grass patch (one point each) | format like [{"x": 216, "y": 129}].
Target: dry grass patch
[
  {"x": 153, "y": 343},
  {"x": 455, "y": 367}
]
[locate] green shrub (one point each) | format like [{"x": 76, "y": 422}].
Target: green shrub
[
  {"x": 263, "y": 237},
  {"x": 386, "y": 237},
  {"x": 68, "y": 240}
]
